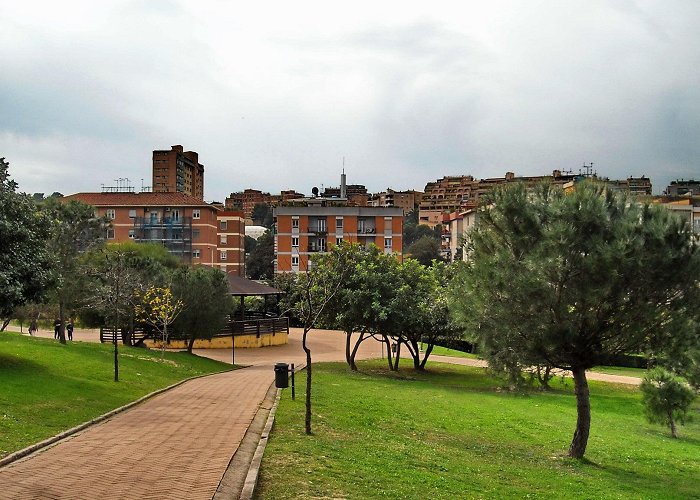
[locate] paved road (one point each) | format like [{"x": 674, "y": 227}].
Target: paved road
[{"x": 175, "y": 445}]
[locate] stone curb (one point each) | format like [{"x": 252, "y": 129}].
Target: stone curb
[
  {"x": 251, "y": 480},
  {"x": 13, "y": 457}
]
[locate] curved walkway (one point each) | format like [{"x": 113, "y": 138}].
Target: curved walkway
[{"x": 178, "y": 444}]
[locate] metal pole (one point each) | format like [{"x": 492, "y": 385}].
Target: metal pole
[
  {"x": 233, "y": 347},
  {"x": 292, "y": 381}
]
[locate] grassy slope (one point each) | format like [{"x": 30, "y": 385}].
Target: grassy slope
[
  {"x": 48, "y": 387},
  {"x": 452, "y": 434}
]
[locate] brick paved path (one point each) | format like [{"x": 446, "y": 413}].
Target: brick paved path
[{"x": 176, "y": 445}]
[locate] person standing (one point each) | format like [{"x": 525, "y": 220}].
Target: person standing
[
  {"x": 57, "y": 328},
  {"x": 69, "y": 328}
]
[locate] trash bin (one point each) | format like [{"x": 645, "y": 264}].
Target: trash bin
[{"x": 281, "y": 375}]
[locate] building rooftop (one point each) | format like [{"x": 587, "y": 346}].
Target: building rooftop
[{"x": 120, "y": 199}]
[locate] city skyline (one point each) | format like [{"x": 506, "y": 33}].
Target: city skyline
[{"x": 277, "y": 97}]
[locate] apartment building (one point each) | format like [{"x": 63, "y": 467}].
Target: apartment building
[
  {"x": 178, "y": 171},
  {"x": 458, "y": 193},
  {"x": 687, "y": 207},
  {"x": 247, "y": 199},
  {"x": 189, "y": 228},
  {"x": 407, "y": 200},
  {"x": 319, "y": 223},
  {"x": 682, "y": 187}
]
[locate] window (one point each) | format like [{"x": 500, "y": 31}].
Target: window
[
  {"x": 224, "y": 239},
  {"x": 295, "y": 241},
  {"x": 110, "y": 234},
  {"x": 222, "y": 256},
  {"x": 131, "y": 234},
  {"x": 223, "y": 225},
  {"x": 195, "y": 234},
  {"x": 387, "y": 243},
  {"x": 176, "y": 214},
  {"x": 195, "y": 213},
  {"x": 295, "y": 222},
  {"x": 295, "y": 260},
  {"x": 339, "y": 223},
  {"x": 321, "y": 225},
  {"x": 111, "y": 214},
  {"x": 132, "y": 213},
  {"x": 322, "y": 244},
  {"x": 339, "y": 241},
  {"x": 195, "y": 254}
]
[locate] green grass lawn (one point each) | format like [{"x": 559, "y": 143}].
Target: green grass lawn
[
  {"x": 452, "y": 433},
  {"x": 444, "y": 351},
  {"x": 621, "y": 370},
  {"x": 48, "y": 387}
]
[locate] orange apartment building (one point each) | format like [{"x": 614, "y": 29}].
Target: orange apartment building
[
  {"x": 194, "y": 231},
  {"x": 178, "y": 171},
  {"x": 302, "y": 231}
]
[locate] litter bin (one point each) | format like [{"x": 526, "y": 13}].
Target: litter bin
[{"x": 281, "y": 375}]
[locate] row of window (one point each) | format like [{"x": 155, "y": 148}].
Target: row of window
[
  {"x": 320, "y": 224},
  {"x": 321, "y": 242},
  {"x": 111, "y": 214}
]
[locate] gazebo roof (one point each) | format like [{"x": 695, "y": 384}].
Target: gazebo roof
[{"x": 242, "y": 287}]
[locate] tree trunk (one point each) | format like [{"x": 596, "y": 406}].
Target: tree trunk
[
  {"x": 5, "y": 322},
  {"x": 388, "y": 352},
  {"x": 672, "y": 423},
  {"x": 348, "y": 356},
  {"x": 307, "y": 419},
  {"x": 415, "y": 354},
  {"x": 583, "y": 408},
  {"x": 190, "y": 344},
  {"x": 62, "y": 317},
  {"x": 427, "y": 355},
  {"x": 354, "y": 351},
  {"x": 397, "y": 357}
]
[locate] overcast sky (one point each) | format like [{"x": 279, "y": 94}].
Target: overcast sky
[{"x": 273, "y": 95}]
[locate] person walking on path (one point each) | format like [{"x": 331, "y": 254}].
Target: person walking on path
[{"x": 32, "y": 327}]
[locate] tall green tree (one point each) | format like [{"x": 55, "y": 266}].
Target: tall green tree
[
  {"x": 74, "y": 230},
  {"x": 308, "y": 295},
  {"x": 204, "y": 292},
  {"x": 425, "y": 250},
  {"x": 361, "y": 305},
  {"x": 564, "y": 279},
  {"x": 25, "y": 262},
  {"x": 260, "y": 264},
  {"x": 262, "y": 215}
]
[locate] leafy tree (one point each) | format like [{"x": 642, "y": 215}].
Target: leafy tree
[
  {"x": 204, "y": 292},
  {"x": 309, "y": 295},
  {"x": 667, "y": 398},
  {"x": 361, "y": 303},
  {"x": 74, "y": 230},
  {"x": 425, "y": 250},
  {"x": 563, "y": 279},
  {"x": 159, "y": 308},
  {"x": 422, "y": 309},
  {"x": 250, "y": 244},
  {"x": 413, "y": 231},
  {"x": 260, "y": 263},
  {"x": 25, "y": 262},
  {"x": 262, "y": 215}
]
